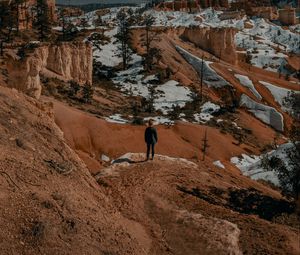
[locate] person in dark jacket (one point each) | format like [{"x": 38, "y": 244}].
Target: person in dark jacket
[{"x": 150, "y": 138}]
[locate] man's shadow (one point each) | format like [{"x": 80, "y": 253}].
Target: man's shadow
[{"x": 127, "y": 160}]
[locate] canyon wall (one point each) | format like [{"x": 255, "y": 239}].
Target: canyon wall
[
  {"x": 65, "y": 61},
  {"x": 25, "y": 12},
  {"x": 217, "y": 41}
]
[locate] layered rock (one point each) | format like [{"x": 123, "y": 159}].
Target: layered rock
[
  {"x": 66, "y": 62},
  {"x": 217, "y": 41},
  {"x": 25, "y": 12}
]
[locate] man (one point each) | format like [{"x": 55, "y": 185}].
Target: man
[{"x": 150, "y": 138}]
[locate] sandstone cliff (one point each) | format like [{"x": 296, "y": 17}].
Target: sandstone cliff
[
  {"x": 217, "y": 41},
  {"x": 24, "y": 12},
  {"x": 66, "y": 61}
]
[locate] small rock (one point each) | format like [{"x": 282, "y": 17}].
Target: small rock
[
  {"x": 105, "y": 158},
  {"x": 20, "y": 143}
]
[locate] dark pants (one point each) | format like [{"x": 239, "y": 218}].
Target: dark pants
[{"x": 152, "y": 149}]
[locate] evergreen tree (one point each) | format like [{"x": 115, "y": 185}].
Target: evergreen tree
[
  {"x": 42, "y": 22},
  {"x": 288, "y": 170},
  {"x": 69, "y": 31},
  {"x": 98, "y": 39},
  {"x": 87, "y": 93},
  {"x": 124, "y": 35},
  {"x": 4, "y": 12},
  {"x": 150, "y": 36},
  {"x": 6, "y": 24}
]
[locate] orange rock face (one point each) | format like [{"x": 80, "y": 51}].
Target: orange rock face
[
  {"x": 25, "y": 13},
  {"x": 217, "y": 41},
  {"x": 66, "y": 61},
  {"x": 288, "y": 16}
]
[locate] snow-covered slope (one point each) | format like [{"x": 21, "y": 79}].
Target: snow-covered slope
[
  {"x": 210, "y": 77},
  {"x": 245, "y": 81},
  {"x": 266, "y": 114},
  {"x": 252, "y": 165}
]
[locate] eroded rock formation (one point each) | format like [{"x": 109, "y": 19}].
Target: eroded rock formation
[
  {"x": 217, "y": 41},
  {"x": 24, "y": 12},
  {"x": 66, "y": 61}
]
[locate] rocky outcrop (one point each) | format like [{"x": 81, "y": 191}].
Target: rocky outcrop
[
  {"x": 217, "y": 41},
  {"x": 65, "y": 61},
  {"x": 24, "y": 12}
]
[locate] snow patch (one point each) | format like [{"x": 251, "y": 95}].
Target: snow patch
[
  {"x": 207, "y": 110},
  {"x": 278, "y": 93},
  {"x": 266, "y": 114},
  {"x": 219, "y": 164},
  {"x": 116, "y": 118},
  {"x": 245, "y": 81},
  {"x": 252, "y": 165},
  {"x": 210, "y": 77}
]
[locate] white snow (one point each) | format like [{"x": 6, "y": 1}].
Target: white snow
[
  {"x": 109, "y": 55},
  {"x": 210, "y": 77},
  {"x": 219, "y": 164},
  {"x": 116, "y": 118},
  {"x": 160, "y": 120},
  {"x": 278, "y": 93},
  {"x": 268, "y": 44},
  {"x": 266, "y": 114},
  {"x": 252, "y": 165},
  {"x": 245, "y": 81},
  {"x": 207, "y": 109},
  {"x": 171, "y": 93}
]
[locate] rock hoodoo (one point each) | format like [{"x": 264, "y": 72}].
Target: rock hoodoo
[
  {"x": 217, "y": 41},
  {"x": 65, "y": 61}
]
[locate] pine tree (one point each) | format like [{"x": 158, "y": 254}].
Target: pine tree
[
  {"x": 42, "y": 22},
  {"x": 3, "y": 23},
  {"x": 124, "y": 36},
  {"x": 6, "y": 24},
  {"x": 69, "y": 31},
  {"x": 98, "y": 39},
  {"x": 289, "y": 173},
  {"x": 87, "y": 93},
  {"x": 150, "y": 36}
]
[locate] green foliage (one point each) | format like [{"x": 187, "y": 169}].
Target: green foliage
[
  {"x": 69, "y": 30},
  {"x": 87, "y": 93},
  {"x": 174, "y": 114},
  {"x": 124, "y": 20},
  {"x": 288, "y": 170},
  {"x": 292, "y": 101},
  {"x": 74, "y": 89},
  {"x": 6, "y": 24},
  {"x": 42, "y": 22},
  {"x": 98, "y": 39}
]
